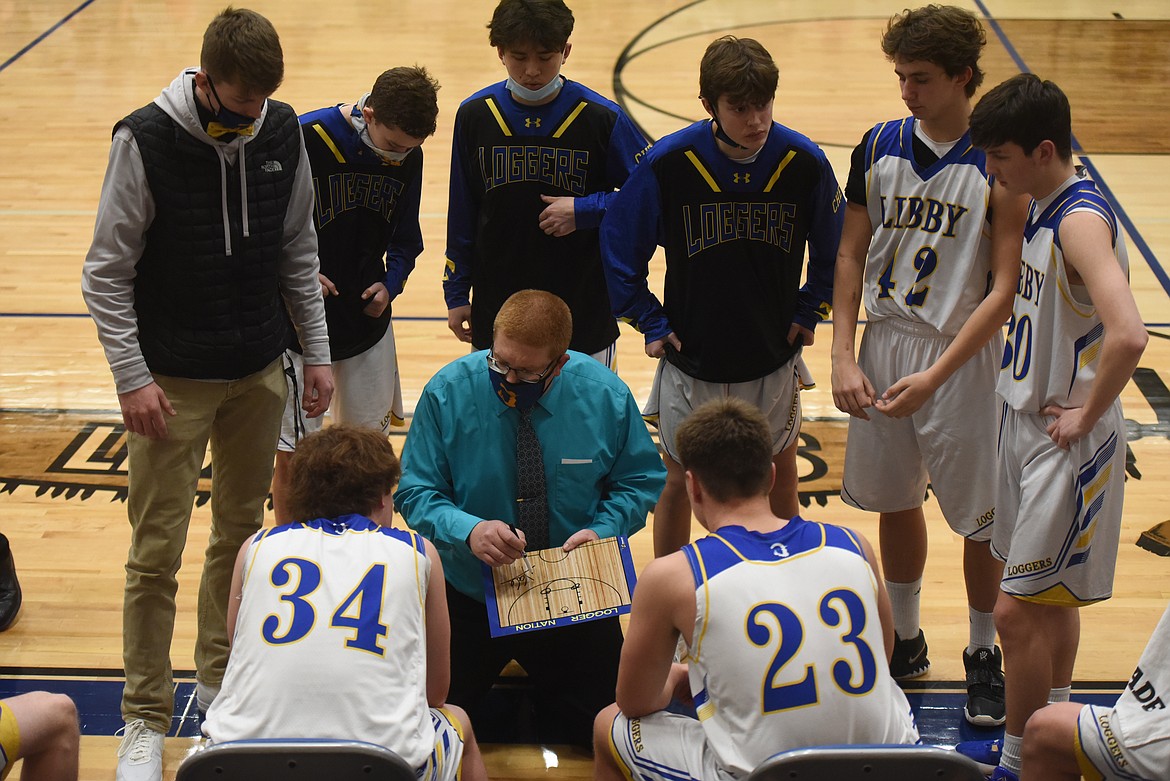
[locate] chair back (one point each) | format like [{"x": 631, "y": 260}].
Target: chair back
[
  {"x": 868, "y": 763},
  {"x": 275, "y": 759}
]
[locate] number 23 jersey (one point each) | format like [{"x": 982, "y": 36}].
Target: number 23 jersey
[{"x": 787, "y": 647}]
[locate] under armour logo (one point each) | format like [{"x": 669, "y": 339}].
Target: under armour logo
[
  {"x": 739, "y": 178},
  {"x": 532, "y": 122},
  {"x": 779, "y": 550},
  {"x": 271, "y": 167}
]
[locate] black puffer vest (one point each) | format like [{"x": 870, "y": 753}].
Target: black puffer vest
[{"x": 202, "y": 313}]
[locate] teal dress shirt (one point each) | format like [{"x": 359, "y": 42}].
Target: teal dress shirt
[{"x": 459, "y": 462}]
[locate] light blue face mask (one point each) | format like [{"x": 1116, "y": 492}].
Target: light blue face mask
[
  {"x": 358, "y": 121},
  {"x": 534, "y": 95}
]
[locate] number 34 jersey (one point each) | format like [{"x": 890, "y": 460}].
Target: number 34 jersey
[
  {"x": 788, "y": 647},
  {"x": 929, "y": 258},
  {"x": 330, "y": 639}
]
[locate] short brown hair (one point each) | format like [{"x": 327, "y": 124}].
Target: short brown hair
[
  {"x": 952, "y": 38},
  {"x": 1023, "y": 110},
  {"x": 241, "y": 47},
  {"x": 546, "y": 23},
  {"x": 341, "y": 470},
  {"x": 406, "y": 98},
  {"x": 536, "y": 318},
  {"x": 727, "y": 446},
  {"x": 740, "y": 69}
]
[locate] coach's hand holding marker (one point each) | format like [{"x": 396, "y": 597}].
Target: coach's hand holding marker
[
  {"x": 496, "y": 543},
  {"x": 524, "y": 556}
]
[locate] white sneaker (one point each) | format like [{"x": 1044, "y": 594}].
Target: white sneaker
[{"x": 140, "y": 753}]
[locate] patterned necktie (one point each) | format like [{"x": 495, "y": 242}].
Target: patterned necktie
[{"x": 532, "y": 494}]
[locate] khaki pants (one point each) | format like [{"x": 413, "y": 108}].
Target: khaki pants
[{"x": 241, "y": 418}]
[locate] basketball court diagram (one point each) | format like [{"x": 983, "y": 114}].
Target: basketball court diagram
[{"x": 550, "y": 588}]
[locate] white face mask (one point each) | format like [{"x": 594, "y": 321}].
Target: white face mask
[
  {"x": 358, "y": 121},
  {"x": 534, "y": 95}
]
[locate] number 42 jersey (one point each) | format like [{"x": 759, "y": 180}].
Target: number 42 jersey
[
  {"x": 787, "y": 649},
  {"x": 929, "y": 258}
]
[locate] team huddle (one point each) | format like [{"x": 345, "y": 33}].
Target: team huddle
[{"x": 242, "y": 278}]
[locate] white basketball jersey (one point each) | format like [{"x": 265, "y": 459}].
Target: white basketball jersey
[
  {"x": 1141, "y": 711},
  {"x": 929, "y": 258},
  {"x": 787, "y": 648},
  {"x": 330, "y": 641},
  {"x": 1055, "y": 334}
]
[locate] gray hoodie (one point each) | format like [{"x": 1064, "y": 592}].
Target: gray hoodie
[{"x": 126, "y": 210}]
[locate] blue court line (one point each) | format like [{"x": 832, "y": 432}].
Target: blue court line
[
  {"x": 1130, "y": 228},
  {"x": 45, "y": 34},
  {"x": 937, "y": 709}
]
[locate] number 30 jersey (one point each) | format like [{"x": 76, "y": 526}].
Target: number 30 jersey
[
  {"x": 1055, "y": 335},
  {"x": 788, "y": 648},
  {"x": 929, "y": 258},
  {"x": 330, "y": 639}
]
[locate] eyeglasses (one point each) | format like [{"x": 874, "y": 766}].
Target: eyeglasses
[{"x": 524, "y": 375}]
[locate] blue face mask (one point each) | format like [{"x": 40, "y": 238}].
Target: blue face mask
[
  {"x": 722, "y": 136},
  {"x": 520, "y": 395},
  {"x": 226, "y": 120}
]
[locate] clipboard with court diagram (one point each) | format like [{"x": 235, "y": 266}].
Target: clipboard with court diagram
[{"x": 549, "y": 588}]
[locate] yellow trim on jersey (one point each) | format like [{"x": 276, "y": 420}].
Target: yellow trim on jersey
[
  {"x": 491, "y": 104},
  {"x": 793, "y": 557},
  {"x": 1088, "y": 770},
  {"x": 861, "y": 552},
  {"x": 253, "y": 552},
  {"x": 458, "y": 727},
  {"x": 418, "y": 578},
  {"x": 705, "y": 711},
  {"x": 1058, "y": 595},
  {"x": 396, "y": 421},
  {"x": 329, "y": 142},
  {"x": 1099, "y": 483},
  {"x": 696, "y": 649},
  {"x": 569, "y": 120},
  {"x": 1079, "y": 308},
  {"x": 448, "y": 268},
  {"x": 873, "y": 159},
  {"x": 9, "y": 739},
  {"x": 617, "y": 756},
  {"x": 702, "y": 171},
  {"x": 779, "y": 169}
]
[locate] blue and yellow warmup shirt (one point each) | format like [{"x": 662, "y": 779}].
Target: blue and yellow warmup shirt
[
  {"x": 505, "y": 155},
  {"x": 735, "y": 236},
  {"x": 366, "y": 216}
]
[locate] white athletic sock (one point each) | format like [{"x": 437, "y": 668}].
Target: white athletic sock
[
  {"x": 1011, "y": 753},
  {"x": 982, "y": 630},
  {"x": 905, "y": 598},
  {"x": 1060, "y": 695}
]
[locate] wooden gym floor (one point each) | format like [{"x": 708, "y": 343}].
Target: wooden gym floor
[{"x": 70, "y": 69}]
